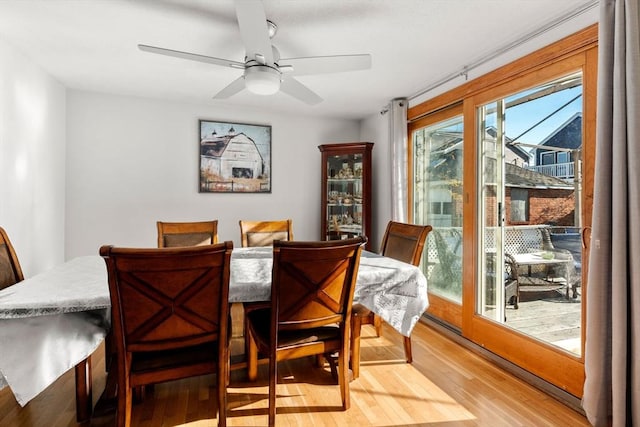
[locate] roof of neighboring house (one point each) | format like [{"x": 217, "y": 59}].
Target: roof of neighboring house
[
  {"x": 516, "y": 176},
  {"x": 453, "y": 142},
  {"x": 567, "y": 135},
  {"x": 508, "y": 144}
]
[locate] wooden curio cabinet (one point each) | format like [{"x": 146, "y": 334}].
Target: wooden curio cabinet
[{"x": 346, "y": 190}]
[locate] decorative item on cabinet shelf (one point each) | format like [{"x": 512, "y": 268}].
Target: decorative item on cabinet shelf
[{"x": 345, "y": 172}]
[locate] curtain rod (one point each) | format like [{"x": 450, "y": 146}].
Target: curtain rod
[{"x": 551, "y": 25}]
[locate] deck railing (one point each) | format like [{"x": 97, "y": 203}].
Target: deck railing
[{"x": 558, "y": 170}]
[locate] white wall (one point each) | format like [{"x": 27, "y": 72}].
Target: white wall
[
  {"x": 133, "y": 161},
  {"x": 32, "y": 161},
  {"x": 375, "y": 128}
]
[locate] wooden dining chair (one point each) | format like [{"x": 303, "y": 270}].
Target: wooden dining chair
[
  {"x": 311, "y": 298},
  {"x": 260, "y": 234},
  {"x": 175, "y": 234},
  {"x": 10, "y": 271},
  {"x": 401, "y": 241},
  {"x": 263, "y": 233},
  {"x": 170, "y": 317}
]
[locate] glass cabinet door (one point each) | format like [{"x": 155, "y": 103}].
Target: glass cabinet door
[
  {"x": 344, "y": 196},
  {"x": 346, "y": 190}
]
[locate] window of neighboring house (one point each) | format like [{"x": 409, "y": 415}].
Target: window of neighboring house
[
  {"x": 519, "y": 205},
  {"x": 563, "y": 157},
  {"x": 548, "y": 158}
]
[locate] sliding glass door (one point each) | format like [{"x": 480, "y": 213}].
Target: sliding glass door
[
  {"x": 530, "y": 186},
  {"x": 502, "y": 168}
]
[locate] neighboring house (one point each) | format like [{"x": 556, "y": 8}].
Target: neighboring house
[
  {"x": 559, "y": 160},
  {"x": 234, "y": 155},
  {"x": 530, "y": 197},
  {"x": 513, "y": 153},
  {"x": 535, "y": 198}
]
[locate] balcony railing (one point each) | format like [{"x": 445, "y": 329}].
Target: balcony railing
[{"x": 558, "y": 170}]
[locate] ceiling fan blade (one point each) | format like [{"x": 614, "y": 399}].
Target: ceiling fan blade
[
  {"x": 299, "y": 91},
  {"x": 191, "y": 56},
  {"x": 327, "y": 64},
  {"x": 252, "y": 21},
  {"x": 232, "y": 88}
]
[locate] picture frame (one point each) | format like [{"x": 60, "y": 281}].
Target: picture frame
[{"x": 234, "y": 157}]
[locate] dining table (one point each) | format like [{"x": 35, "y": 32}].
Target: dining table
[{"x": 53, "y": 321}]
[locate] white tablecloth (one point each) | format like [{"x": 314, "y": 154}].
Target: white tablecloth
[
  {"x": 52, "y": 321},
  {"x": 76, "y": 285},
  {"x": 394, "y": 290}
]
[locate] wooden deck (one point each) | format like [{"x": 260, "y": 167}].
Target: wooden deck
[
  {"x": 447, "y": 385},
  {"x": 549, "y": 316}
]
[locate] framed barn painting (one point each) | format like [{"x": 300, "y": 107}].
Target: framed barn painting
[{"x": 234, "y": 157}]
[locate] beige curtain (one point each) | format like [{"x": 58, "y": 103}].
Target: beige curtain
[
  {"x": 612, "y": 347},
  {"x": 399, "y": 159}
]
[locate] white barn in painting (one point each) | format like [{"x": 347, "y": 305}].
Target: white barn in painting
[{"x": 231, "y": 156}]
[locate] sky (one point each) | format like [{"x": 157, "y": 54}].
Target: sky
[{"x": 523, "y": 116}]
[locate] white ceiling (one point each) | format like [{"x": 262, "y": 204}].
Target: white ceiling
[{"x": 92, "y": 44}]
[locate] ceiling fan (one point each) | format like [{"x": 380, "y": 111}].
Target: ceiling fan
[{"x": 264, "y": 72}]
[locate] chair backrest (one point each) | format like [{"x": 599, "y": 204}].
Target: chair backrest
[
  {"x": 404, "y": 242},
  {"x": 168, "y": 298},
  {"x": 263, "y": 233},
  {"x": 313, "y": 282},
  {"x": 10, "y": 271},
  {"x": 175, "y": 234}
]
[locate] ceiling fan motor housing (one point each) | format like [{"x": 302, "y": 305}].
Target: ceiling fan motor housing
[{"x": 262, "y": 79}]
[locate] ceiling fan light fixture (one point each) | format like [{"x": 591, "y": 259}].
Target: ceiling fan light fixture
[{"x": 262, "y": 80}]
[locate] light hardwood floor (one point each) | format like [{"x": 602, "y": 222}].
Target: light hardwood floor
[{"x": 447, "y": 385}]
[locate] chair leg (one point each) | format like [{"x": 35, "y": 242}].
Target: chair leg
[
  {"x": 139, "y": 393},
  {"x": 223, "y": 382},
  {"x": 343, "y": 376},
  {"x": 331, "y": 360},
  {"x": 407, "y": 349},
  {"x": 319, "y": 360},
  {"x": 356, "y": 325},
  {"x": 273, "y": 379},
  {"x": 123, "y": 413},
  {"x": 377, "y": 323},
  {"x": 83, "y": 390},
  {"x": 245, "y": 333},
  {"x": 252, "y": 356}
]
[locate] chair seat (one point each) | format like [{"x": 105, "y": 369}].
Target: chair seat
[{"x": 261, "y": 320}]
